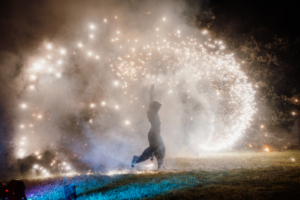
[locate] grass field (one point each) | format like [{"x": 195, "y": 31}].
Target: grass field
[{"x": 260, "y": 175}]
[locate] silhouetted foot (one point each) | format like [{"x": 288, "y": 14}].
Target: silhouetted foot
[
  {"x": 134, "y": 160},
  {"x": 161, "y": 166}
]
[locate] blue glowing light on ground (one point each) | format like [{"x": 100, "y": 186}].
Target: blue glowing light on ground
[{"x": 91, "y": 187}]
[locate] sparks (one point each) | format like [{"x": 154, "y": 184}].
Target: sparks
[
  {"x": 49, "y": 46},
  {"x": 63, "y": 51},
  {"x": 92, "y": 26},
  {"x": 165, "y": 56},
  {"x": 267, "y": 149},
  {"x": 116, "y": 83}
]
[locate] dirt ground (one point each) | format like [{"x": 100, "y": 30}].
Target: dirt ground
[{"x": 248, "y": 175}]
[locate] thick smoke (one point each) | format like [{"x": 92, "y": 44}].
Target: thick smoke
[{"x": 79, "y": 108}]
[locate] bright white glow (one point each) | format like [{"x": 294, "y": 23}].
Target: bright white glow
[
  {"x": 111, "y": 173},
  {"x": 49, "y": 46},
  {"x": 127, "y": 122},
  {"x": 32, "y": 77},
  {"x": 150, "y": 165},
  {"x": 164, "y": 19},
  {"x": 79, "y": 45},
  {"x": 103, "y": 103},
  {"x": 267, "y": 149},
  {"x": 92, "y": 105},
  {"x": 37, "y": 66},
  {"x": 36, "y": 166},
  {"x": 116, "y": 107},
  {"x": 92, "y": 26},
  {"x": 91, "y": 36},
  {"x": 63, "y": 51},
  {"x": 116, "y": 83},
  {"x": 23, "y": 105}
]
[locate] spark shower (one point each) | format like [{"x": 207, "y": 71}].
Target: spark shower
[{"x": 97, "y": 78}]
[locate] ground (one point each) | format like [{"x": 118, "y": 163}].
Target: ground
[{"x": 248, "y": 175}]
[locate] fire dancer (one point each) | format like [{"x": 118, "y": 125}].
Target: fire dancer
[{"x": 156, "y": 145}]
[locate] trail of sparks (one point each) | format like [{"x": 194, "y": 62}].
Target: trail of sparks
[{"x": 200, "y": 73}]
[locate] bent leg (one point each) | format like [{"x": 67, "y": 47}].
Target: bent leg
[{"x": 148, "y": 153}]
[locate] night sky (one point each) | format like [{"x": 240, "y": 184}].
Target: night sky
[{"x": 262, "y": 34}]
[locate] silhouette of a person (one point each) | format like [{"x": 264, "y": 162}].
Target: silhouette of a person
[{"x": 156, "y": 145}]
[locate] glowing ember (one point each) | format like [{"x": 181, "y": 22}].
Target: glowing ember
[
  {"x": 267, "y": 149},
  {"x": 36, "y": 166}
]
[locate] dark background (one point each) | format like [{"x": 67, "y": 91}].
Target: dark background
[{"x": 265, "y": 36}]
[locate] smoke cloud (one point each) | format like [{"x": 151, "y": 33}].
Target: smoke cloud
[{"x": 77, "y": 74}]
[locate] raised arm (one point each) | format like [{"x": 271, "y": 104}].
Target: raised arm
[{"x": 151, "y": 93}]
